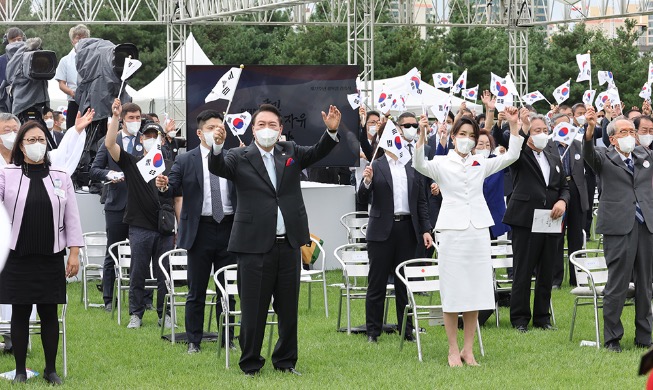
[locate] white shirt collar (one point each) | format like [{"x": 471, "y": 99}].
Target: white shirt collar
[
  {"x": 263, "y": 152},
  {"x": 204, "y": 150}
]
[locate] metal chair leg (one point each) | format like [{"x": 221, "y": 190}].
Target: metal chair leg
[
  {"x": 326, "y": 302},
  {"x": 480, "y": 338},
  {"x": 596, "y": 322}
]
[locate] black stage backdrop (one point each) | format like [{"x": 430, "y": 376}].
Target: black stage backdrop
[{"x": 300, "y": 92}]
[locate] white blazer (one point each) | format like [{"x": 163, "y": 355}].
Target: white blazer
[{"x": 461, "y": 184}]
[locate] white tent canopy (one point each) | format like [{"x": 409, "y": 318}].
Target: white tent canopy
[
  {"x": 152, "y": 97},
  {"x": 414, "y": 104}
]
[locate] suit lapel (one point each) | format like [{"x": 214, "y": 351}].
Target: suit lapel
[
  {"x": 613, "y": 155},
  {"x": 384, "y": 168},
  {"x": 253, "y": 155},
  {"x": 196, "y": 159},
  {"x": 530, "y": 155}
]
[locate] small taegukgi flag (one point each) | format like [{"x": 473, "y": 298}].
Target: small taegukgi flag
[
  {"x": 645, "y": 93},
  {"x": 461, "y": 83},
  {"x": 533, "y": 97},
  {"x": 584, "y": 66},
  {"x": 385, "y": 101},
  {"x": 226, "y": 86},
  {"x": 561, "y": 93},
  {"x": 498, "y": 86},
  {"x": 443, "y": 80},
  {"x": 414, "y": 82},
  {"x": 471, "y": 93},
  {"x": 564, "y": 132},
  {"x": 392, "y": 141},
  {"x": 152, "y": 164},
  {"x": 588, "y": 96},
  {"x": 605, "y": 76},
  {"x": 441, "y": 108},
  {"x": 238, "y": 123}
]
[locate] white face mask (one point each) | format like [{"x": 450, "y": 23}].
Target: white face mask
[
  {"x": 372, "y": 131},
  {"x": 149, "y": 143},
  {"x": 626, "y": 144},
  {"x": 645, "y": 140},
  {"x": 49, "y": 123},
  {"x": 540, "y": 140},
  {"x": 464, "y": 145},
  {"x": 133, "y": 127},
  {"x": 267, "y": 137},
  {"x": 581, "y": 120},
  {"x": 8, "y": 139},
  {"x": 208, "y": 138},
  {"x": 172, "y": 134},
  {"x": 36, "y": 151},
  {"x": 449, "y": 127},
  {"x": 483, "y": 152},
  {"x": 410, "y": 133}
]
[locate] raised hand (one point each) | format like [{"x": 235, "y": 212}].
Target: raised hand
[
  {"x": 82, "y": 121},
  {"x": 368, "y": 174},
  {"x": 512, "y": 114},
  {"x": 219, "y": 134},
  {"x": 161, "y": 181},
  {"x": 332, "y": 119},
  {"x": 646, "y": 107},
  {"x": 170, "y": 126},
  {"x": 525, "y": 116},
  {"x": 116, "y": 108}
]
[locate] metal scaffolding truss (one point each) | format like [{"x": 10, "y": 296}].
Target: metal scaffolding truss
[{"x": 360, "y": 17}]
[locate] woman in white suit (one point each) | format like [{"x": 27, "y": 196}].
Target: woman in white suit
[{"x": 463, "y": 222}]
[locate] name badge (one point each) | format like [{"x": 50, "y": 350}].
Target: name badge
[
  {"x": 60, "y": 193},
  {"x": 139, "y": 147},
  {"x": 646, "y": 164},
  {"x": 557, "y": 169},
  {"x": 57, "y": 183},
  {"x": 577, "y": 157}
]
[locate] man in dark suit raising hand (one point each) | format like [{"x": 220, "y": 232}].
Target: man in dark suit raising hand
[{"x": 270, "y": 225}]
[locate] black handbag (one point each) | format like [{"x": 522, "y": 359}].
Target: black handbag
[{"x": 166, "y": 220}]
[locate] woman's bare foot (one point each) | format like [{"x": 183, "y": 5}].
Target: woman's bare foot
[
  {"x": 454, "y": 360},
  {"x": 468, "y": 358}
]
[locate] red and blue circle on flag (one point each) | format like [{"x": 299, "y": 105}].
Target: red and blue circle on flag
[
  {"x": 382, "y": 97},
  {"x": 565, "y": 91},
  {"x": 501, "y": 90},
  {"x": 604, "y": 98},
  {"x": 416, "y": 80},
  {"x": 471, "y": 93},
  {"x": 563, "y": 131},
  {"x": 238, "y": 123},
  {"x": 157, "y": 161},
  {"x": 444, "y": 80},
  {"x": 398, "y": 142}
]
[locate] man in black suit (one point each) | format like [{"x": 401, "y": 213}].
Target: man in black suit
[
  {"x": 207, "y": 214},
  {"x": 270, "y": 224},
  {"x": 399, "y": 221},
  {"x": 105, "y": 170},
  {"x": 538, "y": 183},
  {"x": 573, "y": 167}
]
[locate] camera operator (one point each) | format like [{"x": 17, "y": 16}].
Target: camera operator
[
  {"x": 13, "y": 34},
  {"x": 67, "y": 71}
]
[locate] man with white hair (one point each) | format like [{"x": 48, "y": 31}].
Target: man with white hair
[{"x": 66, "y": 73}]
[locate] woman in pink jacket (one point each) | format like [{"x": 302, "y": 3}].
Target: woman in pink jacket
[{"x": 41, "y": 205}]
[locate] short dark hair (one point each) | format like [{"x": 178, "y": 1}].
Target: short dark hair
[
  {"x": 129, "y": 107},
  {"x": 46, "y": 110},
  {"x": 56, "y": 114},
  {"x": 205, "y": 115},
  {"x": 463, "y": 120},
  {"x": 370, "y": 113},
  {"x": 564, "y": 107},
  {"x": 17, "y": 156},
  {"x": 530, "y": 108},
  {"x": 266, "y": 108},
  {"x": 405, "y": 115},
  {"x": 450, "y": 115},
  {"x": 151, "y": 115},
  {"x": 640, "y": 118},
  {"x": 634, "y": 109},
  {"x": 13, "y": 33}
]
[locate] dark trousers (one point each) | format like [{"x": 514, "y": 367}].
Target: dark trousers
[
  {"x": 262, "y": 276},
  {"x": 116, "y": 231},
  {"x": 384, "y": 258},
  {"x": 574, "y": 223},
  {"x": 71, "y": 115},
  {"x": 628, "y": 257},
  {"x": 208, "y": 250},
  {"x": 532, "y": 252},
  {"x": 147, "y": 245}
]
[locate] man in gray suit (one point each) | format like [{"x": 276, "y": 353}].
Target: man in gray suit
[{"x": 626, "y": 221}]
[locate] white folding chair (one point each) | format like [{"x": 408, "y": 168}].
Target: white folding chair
[
  {"x": 226, "y": 279},
  {"x": 423, "y": 276},
  {"x": 316, "y": 276},
  {"x": 93, "y": 253},
  {"x": 591, "y": 277},
  {"x": 121, "y": 254},
  {"x": 176, "y": 274},
  {"x": 353, "y": 222},
  {"x": 355, "y": 265}
]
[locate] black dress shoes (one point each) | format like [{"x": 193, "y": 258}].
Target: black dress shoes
[
  {"x": 521, "y": 328},
  {"x": 289, "y": 370},
  {"x": 53, "y": 379},
  {"x": 372, "y": 339},
  {"x": 193, "y": 348},
  {"x": 20, "y": 378},
  {"x": 409, "y": 337},
  {"x": 642, "y": 345},
  {"x": 613, "y": 346}
]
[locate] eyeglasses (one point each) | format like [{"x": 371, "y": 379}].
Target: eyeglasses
[
  {"x": 409, "y": 125},
  {"x": 34, "y": 140}
]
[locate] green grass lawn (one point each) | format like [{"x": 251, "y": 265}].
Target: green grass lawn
[{"x": 103, "y": 355}]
